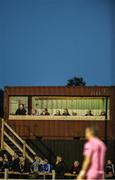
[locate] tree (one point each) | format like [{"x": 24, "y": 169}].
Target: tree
[{"x": 76, "y": 81}]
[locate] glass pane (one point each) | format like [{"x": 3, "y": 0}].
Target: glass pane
[
  {"x": 18, "y": 105},
  {"x": 79, "y": 106}
]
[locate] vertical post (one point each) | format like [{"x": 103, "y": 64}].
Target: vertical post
[
  {"x": 6, "y": 174},
  {"x": 106, "y": 122},
  {"x": 44, "y": 176},
  {"x": 29, "y": 105},
  {"x": 2, "y": 134},
  {"x": 6, "y": 104},
  {"x": 24, "y": 149},
  {"x": 53, "y": 174}
]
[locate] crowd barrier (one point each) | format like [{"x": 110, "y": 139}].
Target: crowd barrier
[{"x": 6, "y": 175}]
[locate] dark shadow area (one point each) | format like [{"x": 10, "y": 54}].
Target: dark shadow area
[
  {"x": 113, "y": 42},
  {"x": 1, "y": 103}
]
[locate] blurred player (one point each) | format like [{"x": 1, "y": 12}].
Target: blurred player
[{"x": 94, "y": 156}]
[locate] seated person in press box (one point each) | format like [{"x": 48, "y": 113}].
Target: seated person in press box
[
  {"x": 35, "y": 111},
  {"x": 74, "y": 113},
  {"x": 45, "y": 112},
  {"x": 66, "y": 112},
  {"x": 58, "y": 113},
  {"x": 103, "y": 113},
  {"x": 21, "y": 110},
  {"x": 89, "y": 113}
]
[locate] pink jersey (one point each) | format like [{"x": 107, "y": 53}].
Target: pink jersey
[{"x": 96, "y": 149}]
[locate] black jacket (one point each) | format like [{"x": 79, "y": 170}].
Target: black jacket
[
  {"x": 15, "y": 165},
  {"x": 60, "y": 170},
  {"x": 20, "y": 112},
  {"x": 1, "y": 166}
]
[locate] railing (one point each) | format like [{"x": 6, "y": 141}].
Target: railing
[
  {"x": 9, "y": 135},
  {"x": 59, "y": 118},
  {"x": 7, "y": 173}
]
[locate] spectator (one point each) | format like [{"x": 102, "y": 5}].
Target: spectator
[
  {"x": 89, "y": 113},
  {"x": 109, "y": 170},
  {"x": 21, "y": 110},
  {"x": 45, "y": 112},
  {"x": 66, "y": 112},
  {"x": 24, "y": 165},
  {"x": 59, "y": 168},
  {"x": 46, "y": 167},
  {"x": 58, "y": 113},
  {"x": 103, "y": 113},
  {"x": 15, "y": 163},
  {"x": 5, "y": 156},
  {"x": 1, "y": 164},
  {"x": 74, "y": 113},
  {"x": 6, "y": 163},
  {"x": 75, "y": 169},
  {"x": 36, "y": 166},
  {"x": 35, "y": 111}
]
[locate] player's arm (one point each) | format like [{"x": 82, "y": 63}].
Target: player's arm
[{"x": 85, "y": 167}]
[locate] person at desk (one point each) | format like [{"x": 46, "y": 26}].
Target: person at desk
[
  {"x": 58, "y": 113},
  {"x": 66, "y": 112},
  {"x": 89, "y": 113},
  {"x": 21, "y": 110},
  {"x": 35, "y": 111},
  {"x": 103, "y": 113},
  {"x": 45, "y": 112}
]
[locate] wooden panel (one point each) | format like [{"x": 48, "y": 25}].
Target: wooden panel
[
  {"x": 59, "y": 118},
  {"x": 70, "y": 150},
  {"x": 48, "y": 128},
  {"x": 59, "y": 91},
  {"x": 56, "y": 128}
]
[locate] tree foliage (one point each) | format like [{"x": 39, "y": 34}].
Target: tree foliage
[{"x": 76, "y": 81}]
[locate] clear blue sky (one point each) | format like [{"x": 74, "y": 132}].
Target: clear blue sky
[{"x": 46, "y": 42}]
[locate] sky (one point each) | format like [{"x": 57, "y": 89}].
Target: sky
[{"x": 47, "y": 42}]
